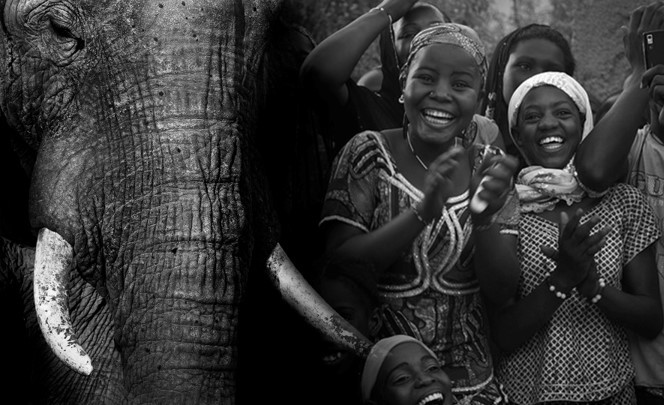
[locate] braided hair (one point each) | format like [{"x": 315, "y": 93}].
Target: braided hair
[{"x": 493, "y": 105}]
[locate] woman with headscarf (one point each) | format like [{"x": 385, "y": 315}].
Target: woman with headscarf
[
  {"x": 399, "y": 199},
  {"x": 587, "y": 262},
  {"x": 346, "y": 108}
]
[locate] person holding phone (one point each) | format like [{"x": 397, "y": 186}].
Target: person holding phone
[{"x": 636, "y": 155}]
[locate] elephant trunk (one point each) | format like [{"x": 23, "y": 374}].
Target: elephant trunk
[
  {"x": 157, "y": 191},
  {"x": 178, "y": 276}
]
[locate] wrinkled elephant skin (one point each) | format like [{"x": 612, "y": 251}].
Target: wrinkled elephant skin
[{"x": 141, "y": 116}]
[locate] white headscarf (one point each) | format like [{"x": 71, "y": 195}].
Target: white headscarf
[
  {"x": 541, "y": 188},
  {"x": 560, "y": 80}
]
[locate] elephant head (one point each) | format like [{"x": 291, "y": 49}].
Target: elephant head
[{"x": 137, "y": 123}]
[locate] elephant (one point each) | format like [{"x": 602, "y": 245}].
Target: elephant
[{"x": 146, "y": 130}]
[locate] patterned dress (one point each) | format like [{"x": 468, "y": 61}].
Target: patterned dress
[
  {"x": 580, "y": 355},
  {"x": 433, "y": 284}
]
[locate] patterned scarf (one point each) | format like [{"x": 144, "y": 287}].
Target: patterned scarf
[
  {"x": 541, "y": 188},
  {"x": 448, "y": 33}
]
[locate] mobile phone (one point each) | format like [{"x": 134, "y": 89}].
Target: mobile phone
[{"x": 653, "y": 48}]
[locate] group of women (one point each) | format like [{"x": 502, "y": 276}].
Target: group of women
[{"x": 534, "y": 296}]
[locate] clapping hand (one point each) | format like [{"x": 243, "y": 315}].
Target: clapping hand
[
  {"x": 438, "y": 183},
  {"x": 497, "y": 172},
  {"x": 576, "y": 250}
]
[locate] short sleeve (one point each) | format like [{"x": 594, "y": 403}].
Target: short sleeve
[
  {"x": 640, "y": 224},
  {"x": 352, "y": 193}
]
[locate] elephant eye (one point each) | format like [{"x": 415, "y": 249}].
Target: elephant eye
[{"x": 65, "y": 33}]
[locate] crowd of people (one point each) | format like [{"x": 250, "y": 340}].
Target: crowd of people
[{"x": 548, "y": 288}]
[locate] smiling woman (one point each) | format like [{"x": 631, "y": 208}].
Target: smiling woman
[
  {"x": 399, "y": 199},
  {"x": 587, "y": 271}
]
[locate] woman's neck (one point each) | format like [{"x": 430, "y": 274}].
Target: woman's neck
[{"x": 427, "y": 152}]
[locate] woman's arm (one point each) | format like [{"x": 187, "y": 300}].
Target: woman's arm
[
  {"x": 601, "y": 159},
  {"x": 517, "y": 321},
  {"x": 381, "y": 247},
  {"x": 496, "y": 263},
  {"x": 384, "y": 245},
  {"x": 330, "y": 64},
  {"x": 637, "y": 306}
]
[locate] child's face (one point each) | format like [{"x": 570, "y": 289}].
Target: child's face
[
  {"x": 414, "y": 21},
  {"x": 528, "y": 58},
  {"x": 549, "y": 127},
  {"x": 441, "y": 92},
  {"x": 411, "y": 376}
]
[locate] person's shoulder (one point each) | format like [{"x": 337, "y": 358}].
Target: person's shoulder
[
  {"x": 625, "y": 194},
  {"x": 365, "y": 139},
  {"x": 365, "y": 148},
  {"x": 373, "y": 79}
]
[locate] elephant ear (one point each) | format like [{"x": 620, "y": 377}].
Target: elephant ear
[{"x": 16, "y": 162}]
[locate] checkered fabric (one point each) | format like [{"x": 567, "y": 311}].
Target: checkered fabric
[{"x": 580, "y": 355}]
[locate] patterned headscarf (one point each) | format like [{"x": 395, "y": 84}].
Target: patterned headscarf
[
  {"x": 376, "y": 358},
  {"x": 448, "y": 33},
  {"x": 541, "y": 188}
]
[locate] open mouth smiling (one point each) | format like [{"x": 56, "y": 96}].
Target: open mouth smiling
[
  {"x": 437, "y": 117},
  {"x": 551, "y": 142},
  {"x": 437, "y": 398}
]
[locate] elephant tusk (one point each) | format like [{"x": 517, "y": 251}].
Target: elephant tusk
[
  {"x": 53, "y": 257},
  {"x": 302, "y": 296}
]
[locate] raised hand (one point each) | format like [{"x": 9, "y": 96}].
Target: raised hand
[
  {"x": 438, "y": 184},
  {"x": 642, "y": 19},
  {"x": 653, "y": 78},
  {"x": 576, "y": 249}
]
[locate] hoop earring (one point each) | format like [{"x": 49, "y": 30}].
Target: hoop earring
[{"x": 401, "y": 99}]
